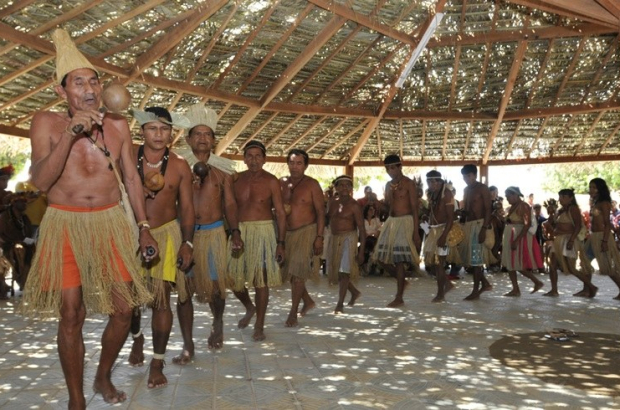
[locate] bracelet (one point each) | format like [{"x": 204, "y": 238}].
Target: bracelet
[
  {"x": 189, "y": 243},
  {"x": 281, "y": 243},
  {"x": 235, "y": 229},
  {"x": 143, "y": 223}
]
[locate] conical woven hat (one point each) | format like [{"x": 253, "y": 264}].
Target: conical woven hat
[
  {"x": 198, "y": 114},
  {"x": 68, "y": 57}
]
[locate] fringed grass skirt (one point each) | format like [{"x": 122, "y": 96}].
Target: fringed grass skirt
[
  {"x": 101, "y": 243},
  {"x": 300, "y": 261},
  {"x": 608, "y": 262},
  {"x": 211, "y": 258},
  {"x": 342, "y": 256},
  {"x": 164, "y": 268},
  {"x": 473, "y": 253},
  {"x": 257, "y": 257},
  {"x": 395, "y": 243}
]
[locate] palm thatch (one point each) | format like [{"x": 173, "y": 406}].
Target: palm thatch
[{"x": 500, "y": 81}]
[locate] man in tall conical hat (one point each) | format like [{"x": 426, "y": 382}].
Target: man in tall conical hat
[
  {"x": 86, "y": 258},
  {"x": 213, "y": 201}
]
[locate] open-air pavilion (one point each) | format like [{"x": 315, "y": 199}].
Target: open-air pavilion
[{"x": 493, "y": 82}]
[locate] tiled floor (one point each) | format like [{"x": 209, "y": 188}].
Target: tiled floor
[{"x": 421, "y": 356}]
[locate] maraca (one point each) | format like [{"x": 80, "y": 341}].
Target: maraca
[
  {"x": 115, "y": 97},
  {"x": 201, "y": 169},
  {"x": 154, "y": 181}
]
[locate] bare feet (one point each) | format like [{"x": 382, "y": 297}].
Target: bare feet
[
  {"x": 438, "y": 299},
  {"x": 306, "y": 308},
  {"x": 156, "y": 375},
  {"x": 593, "y": 291},
  {"x": 109, "y": 392},
  {"x": 291, "y": 321},
  {"x": 582, "y": 293},
  {"x": 537, "y": 286},
  {"x": 216, "y": 338},
  {"x": 617, "y": 297},
  {"x": 354, "y": 297},
  {"x": 513, "y": 293},
  {"x": 258, "y": 335},
  {"x": 396, "y": 303},
  {"x": 486, "y": 288},
  {"x": 245, "y": 320},
  {"x": 136, "y": 357},
  {"x": 449, "y": 286},
  {"x": 552, "y": 293},
  {"x": 339, "y": 309},
  {"x": 184, "y": 358},
  {"x": 473, "y": 296}
]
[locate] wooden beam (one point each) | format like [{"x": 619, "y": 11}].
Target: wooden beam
[
  {"x": 470, "y": 129},
  {"x": 28, "y": 94},
  {"x": 608, "y": 140},
  {"x": 14, "y": 131},
  {"x": 423, "y": 143},
  {"x": 379, "y": 147},
  {"x": 168, "y": 41},
  {"x": 402, "y": 137},
  {"x": 15, "y": 7},
  {"x": 512, "y": 140},
  {"x": 563, "y": 110},
  {"x": 586, "y": 10},
  {"x": 287, "y": 75},
  {"x": 512, "y": 77},
  {"x": 365, "y": 21},
  {"x": 524, "y": 34},
  {"x": 588, "y": 133},
  {"x": 611, "y": 6}
]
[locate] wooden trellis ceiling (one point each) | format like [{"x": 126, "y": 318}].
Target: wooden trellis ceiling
[{"x": 500, "y": 81}]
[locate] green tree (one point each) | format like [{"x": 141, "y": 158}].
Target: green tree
[{"x": 578, "y": 175}]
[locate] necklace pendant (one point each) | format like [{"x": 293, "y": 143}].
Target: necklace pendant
[{"x": 94, "y": 147}]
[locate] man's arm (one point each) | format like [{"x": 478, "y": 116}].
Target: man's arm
[
  {"x": 361, "y": 230},
  {"x": 319, "y": 209},
  {"x": 187, "y": 214},
  {"x": 133, "y": 186},
  {"x": 486, "y": 203},
  {"x": 230, "y": 211},
  {"x": 449, "y": 207},
  {"x": 415, "y": 211},
  {"x": 278, "y": 205},
  {"x": 48, "y": 156}
]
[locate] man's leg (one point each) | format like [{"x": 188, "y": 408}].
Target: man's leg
[
  {"x": 308, "y": 302},
  {"x": 185, "y": 313},
  {"x": 261, "y": 300},
  {"x": 478, "y": 276},
  {"x": 161, "y": 327},
  {"x": 297, "y": 290},
  {"x": 136, "y": 357},
  {"x": 217, "y": 305},
  {"x": 112, "y": 341},
  {"x": 530, "y": 275},
  {"x": 343, "y": 282},
  {"x": 553, "y": 276},
  {"x": 400, "y": 286},
  {"x": 250, "y": 309},
  {"x": 355, "y": 294},
  {"x": 443, "y": 284},
  {"x": 71, "y": 345}
]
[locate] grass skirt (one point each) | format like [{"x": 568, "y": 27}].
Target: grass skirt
[
  {"x": 300, "y": 260},
  {"x": 339, "y": 246},
  {"x": 164, "y": 268},
  {"x": 258, "y": 256},
  {"x": 608, "y": 262},
  {"x": 430, "y": 245},
  {"x": 98, "y": 239},
  {"x": 395, "y": 243},
  {"x": 527, "y": 256},
  {"x": 468, "y": 246},
  {"x": 211, "y": 258}
]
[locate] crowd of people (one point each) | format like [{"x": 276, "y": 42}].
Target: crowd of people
[{"x": 124, "y": 226}]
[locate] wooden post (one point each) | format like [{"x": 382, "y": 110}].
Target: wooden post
[
  {"x": 484, "y": 174},
  {"x": 349, "y": 170}
]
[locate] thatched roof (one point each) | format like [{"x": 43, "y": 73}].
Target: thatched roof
[{"x": 499, "y": 80}]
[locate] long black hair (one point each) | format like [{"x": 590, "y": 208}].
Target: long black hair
[{"x": 602, "y": 188}]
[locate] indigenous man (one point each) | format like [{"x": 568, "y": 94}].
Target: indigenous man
[
  {"x": 602, "y": 238},
  {"x": 5, "y": 174},
  {"x": 347, "y": 227},
  {"x": 257, "y": 192},
  {"x": 441, "y": 205},
  {"x": 305, "y": 223},
  {"x": 213, "y": 199},
  {"x": 85, "y": 260},
  {"x": 399, "y": 240},
  {"x": 173, "y": 190},
  {"x": 476, "y": 209}
]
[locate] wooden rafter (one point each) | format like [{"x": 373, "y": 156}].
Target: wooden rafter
[
  {"x": 588, "y": 133},
  {"x": 401, "y": 139},
  {"x": 586, "y": 10},
  {"x": 365, "y": 21},
  {"x": 445, "y": 140},
  {"x": 512, "y": 77},
  {"x": 470, "y": 129},
  {"x": 15, "y": 7},
  {"x": 326, "y": 135},
  {"x": 613, "y": 48},
  {"x": 611, "y": 6},
  {"x": 28, "y": 94},
  {"x": 346, "y": 137},
  {"x": 379, "y": 147},
  {"x": 423, "y": 143},
  {"x": 567, "y": 127},
  {"x": 305, "y": 133},
  {"x": 289, "y": 73},
  {"x": 512, "y": 139},
  {"x": 541, "y": 71},
  {"x": 569, "y": 70},
  {"x": 283, "y": 131},
  {"x": 608, "y": 140},
  {"x": 258, "y": 130},
  {"x": 541, "y": 129}
]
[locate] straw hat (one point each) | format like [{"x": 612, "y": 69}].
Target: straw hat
[
  {"x": 198, "y": 114},
  {"x": 68, "y": 57}
]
